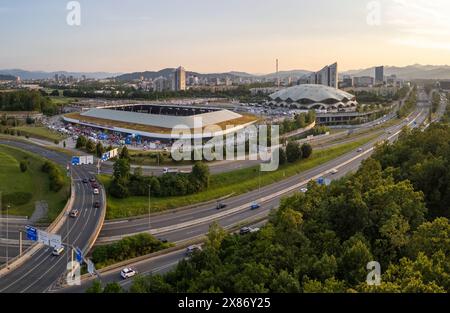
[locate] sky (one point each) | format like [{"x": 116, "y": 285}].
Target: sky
[{"x": 220, "y": 36}]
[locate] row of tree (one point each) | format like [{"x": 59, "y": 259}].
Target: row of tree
[
  {"x": 393, "y": 210},
  {"x": 125, "y": 184},
  {"x": 294, "y": 152},
  {"x": 55, "y": 175},
  {"x": 299, "y": 121},
  {"x": 25, "y": 100}
]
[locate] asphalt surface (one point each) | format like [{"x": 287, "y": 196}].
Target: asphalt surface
[
  {"x": 164, "y": 263},
  {"x": 132, "y": 226},
  {"x": 43, "y": 271}
]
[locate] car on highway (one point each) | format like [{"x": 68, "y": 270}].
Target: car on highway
[
  {"x": 192, "y": 249},
  {"x": 304, "y": 190},
  {"x": 221, "y": 206},
  {"x": 97, "y": 205},
  {"x": 359, "y": 150},
  {"x": 248, "y": 230},
  {"x": 57, "y": 251},
  {"x": 74, "y": 213},
  {"x": 127, "y": 272},
  {"x": 255, "y": 206},
  {"x": 96, "y": 191},
  {"x": 95, "y": 185},
  {"x": 85, "y": 180},
  {"x": 92, "y": 179},
  {"x": 334, "y": 171}
]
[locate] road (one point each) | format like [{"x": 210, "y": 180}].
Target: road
[
  {"x": 42, "y": 271},
  {"x": 166, "y": 262},
  {"x": 114, "y": 230}
]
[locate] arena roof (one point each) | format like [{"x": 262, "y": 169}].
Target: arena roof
[
  {"x": 165, "y": 120},
  {"x": 309, "y": 96}
]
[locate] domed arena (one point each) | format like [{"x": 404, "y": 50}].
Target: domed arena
[{"x": 313, "y": 97}]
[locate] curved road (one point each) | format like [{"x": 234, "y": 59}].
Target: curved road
[{"x": 43, "y": 271}]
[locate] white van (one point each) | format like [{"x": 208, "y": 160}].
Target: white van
[{"x": 57, "y": 251}]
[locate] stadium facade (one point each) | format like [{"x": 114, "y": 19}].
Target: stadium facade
[{"x": 155, "y": 121}]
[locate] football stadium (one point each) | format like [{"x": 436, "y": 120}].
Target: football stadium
[{"x": 153, "y": 121}]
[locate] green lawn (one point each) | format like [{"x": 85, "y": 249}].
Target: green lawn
[
  {"x": 40, "y": 132},
  {"x": 237, "y": 182},
  {"x": 62, "y": 100},
  {"x": 22, "y": 190}
]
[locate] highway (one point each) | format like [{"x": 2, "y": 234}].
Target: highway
[
  {"x": 42, "y": 271},
  {"x": 165, "y": 262},
  {"x": 114, "y": 230}
]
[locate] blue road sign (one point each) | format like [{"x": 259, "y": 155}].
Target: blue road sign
[
  {"x": 75, "y": 160},
  {"x": 79, "y": 255},
  {"x": 31, "y": 233}
]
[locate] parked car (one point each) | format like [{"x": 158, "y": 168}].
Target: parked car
[{"x": 127, "y": 273}]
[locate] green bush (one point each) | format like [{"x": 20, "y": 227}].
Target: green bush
[{"x": 16, "y": 198}]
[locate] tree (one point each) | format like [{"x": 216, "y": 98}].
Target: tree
[
  {"x": 81, "y": 142},
  {"x": 293, "y": 152},
  {"x": 96, "y": 287},
  {"x": 113, "y": 288},
  {"x": 200, "y": 176},
  {"x": 99, "y": 149},
  {"x": 124, "y": 153},
  {"x": 282, "y": 156},
  {"x": 23, "y": 166},
  {"x": 90, "y": 146},
  {"x": 306, "y": 150},
  {"x": 215, "y": 236}
]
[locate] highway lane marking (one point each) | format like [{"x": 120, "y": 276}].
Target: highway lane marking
[
  {"x": 48, "y": 257},
  {"x": 264, "y": 199}
]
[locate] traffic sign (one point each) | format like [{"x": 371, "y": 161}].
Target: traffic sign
[
  {"x": 79, "y": 255},
  {"x": 31, "y": 233},
  {"x": 90, "y": 267}
]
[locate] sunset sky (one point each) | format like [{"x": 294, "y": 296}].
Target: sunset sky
[{"x": 219, "y": 36}]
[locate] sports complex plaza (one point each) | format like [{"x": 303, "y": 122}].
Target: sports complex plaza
[{"x": 154, "y": 121}]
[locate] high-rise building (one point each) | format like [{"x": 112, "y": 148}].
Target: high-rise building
[
  {"x": 363, "y": 81},
  {"x": 328, "y": 76},
  {"x": 379, "y": 75},
  {"x": 180, "y": 79}
]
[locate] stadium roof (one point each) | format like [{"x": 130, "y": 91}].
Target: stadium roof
[
  {"x": 313, "y": 97},
  {"x": 315, "y": 93},
  {"x": 163, "y": 121}
]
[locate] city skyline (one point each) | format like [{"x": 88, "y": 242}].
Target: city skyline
[{"x": 244, "y": 35}]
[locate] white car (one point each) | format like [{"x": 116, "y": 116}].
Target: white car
[
  {"x": 57, "y": 251},
  {"x": 127, "y": 273},
  {"x": 96, "y": 192},
  {"x": 359, "y": 150},
  {"x": 334, "y": 171},
  {"x": 304, "y": 190},
  {"x": 191, "y": 249}
]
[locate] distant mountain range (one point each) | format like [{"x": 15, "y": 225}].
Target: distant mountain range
[
  {"x": 410, "y": 72},
  {"x": 7, "y": 77},
  {"x": 233, "y": 74},
  {"x": 26, "y": 75}
]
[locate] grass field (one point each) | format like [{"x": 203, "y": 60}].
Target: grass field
[
  {"x": 40, "y": 132},
  {"x": 237, "y": 182},
  {"x": 62, "y": 100},
  {"x": 22, "y": 190}
]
